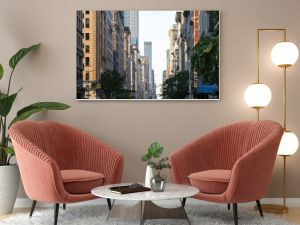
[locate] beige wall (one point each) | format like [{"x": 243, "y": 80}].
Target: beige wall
[{"x": 130, "y": 126}]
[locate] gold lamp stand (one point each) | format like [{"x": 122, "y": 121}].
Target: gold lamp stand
[
  {"x": 278, "y": 209},
  {"x": 272, "y": 208}
]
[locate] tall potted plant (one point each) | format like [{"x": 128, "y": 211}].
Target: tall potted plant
[{"x": 9, "y": 173}]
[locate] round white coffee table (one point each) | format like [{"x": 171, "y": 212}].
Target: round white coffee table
[{"x": 145, "y": 209}]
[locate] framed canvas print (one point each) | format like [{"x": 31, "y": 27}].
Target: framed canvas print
[{"x": 148, "y": 55}]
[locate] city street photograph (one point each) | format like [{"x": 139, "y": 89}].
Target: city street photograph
[{"x": 147, "y": 55}]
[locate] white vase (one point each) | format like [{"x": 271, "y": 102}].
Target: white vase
[
  {"x": 9, "y": 183},
  {"x": 148, "y": 176}
]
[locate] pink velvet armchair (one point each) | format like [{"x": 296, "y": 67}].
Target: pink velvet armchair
[
  {"x": 60, "y": 164},
  {"x": 230, "y": 165}
]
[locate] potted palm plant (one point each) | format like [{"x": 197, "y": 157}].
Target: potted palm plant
[
  {"x": 9, "y": 173},
  {"x": 156, "y": 182}
]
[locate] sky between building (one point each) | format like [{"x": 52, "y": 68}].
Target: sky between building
[{"x": 154, "y": 26}]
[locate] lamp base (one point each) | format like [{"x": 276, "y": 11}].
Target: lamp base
[{"x": 276, "y": 209}]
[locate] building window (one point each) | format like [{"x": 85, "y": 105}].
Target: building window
[
  {"x": 87, "y": 49},
  {"x": 87, "y": 22},
  {"x": 87, "y": 76},
  {"x": 87, "y": 61},
  {"x": 87, "y": 12},
  {"x": 87, "y": 36}
]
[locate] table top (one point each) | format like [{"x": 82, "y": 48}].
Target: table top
[{"x": 172, "y": 191}]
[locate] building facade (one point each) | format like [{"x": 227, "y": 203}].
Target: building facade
[
  {"x": 90, "y": 46},
  {"x": 148, "y": 53},
  {"x": 173, "y": 35},
  {"x": 79, "y": 54},
  {"x": 131, "y": 20},
  {"x": 118, "y": 41},
  {"x": 127, "y": 58},
  {"x": 144, "y": 82}
]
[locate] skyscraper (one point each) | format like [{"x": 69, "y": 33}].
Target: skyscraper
[
  {"x": 79, "y": 55},
  {"x": 173, "y": 35},
  {"x": 148, "y": 53},
  {"x": 131, "y": 20},
  {"x": 118, "y": 41}
]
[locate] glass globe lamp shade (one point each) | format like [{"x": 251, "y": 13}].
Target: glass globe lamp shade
[
  {"x": 289, "y": 144},
  {"x": 258, "y": 95},
  {"x": 284, "y": 54}
]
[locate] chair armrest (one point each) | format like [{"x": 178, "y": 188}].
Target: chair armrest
[
  {"x": 40, "y": 174},
  {"x": 251, "y": 174},
  {"x": 99, "y": 157},
  {"x": 194, "y": 157}
]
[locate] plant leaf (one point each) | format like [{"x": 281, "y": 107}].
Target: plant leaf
[
  {"x": 6, "y": 103},
  {"x": 1, "y": 71},
  {"x": 155, "y": 150},
  {"x": 2, "y": 95},
  {"x": 44, "y": 105},
  {"x": 27, "y": 111},
  {"x": 9, "y": 150},
  {"x": 16, "y": 58}
]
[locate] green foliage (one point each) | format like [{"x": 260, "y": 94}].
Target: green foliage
[
  {"x": 6, "y": 104},
  {"x": 163, "y": 163},
  {"x": 9, "y": 150},
  {"x": 205, "y": 59},
  {"x": 154, "y": 151},
  {"x": 1, "y": 71},
  {"x": 214, "y": 21},
  {"x": 112, "y": 86},
  {"x": 27, "y": 111},
  {"x": 176, "y": 87},
  {"x": 16, "y": 58}
]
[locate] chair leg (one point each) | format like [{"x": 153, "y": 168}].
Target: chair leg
[
  {"x": 259, "y": 208},
  {"x": 183, "y": 202},
  {"x": 108, "y": 203},
  {"x": 56, "y": 209},
  {"x": 32, "y": 208},
  {"x": 64, "y": 206},
  {"x": 235, "y": 213},
  {"x": 228, "y": 206}
]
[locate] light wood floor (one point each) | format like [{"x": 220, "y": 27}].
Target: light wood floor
[{"x": 293, "y": 215}]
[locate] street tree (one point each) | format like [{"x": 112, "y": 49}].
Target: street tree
[
  {"x": 205, "y": 59},
  {"x": 112, "y": 86},
  {"x": 176, "y": 86}
]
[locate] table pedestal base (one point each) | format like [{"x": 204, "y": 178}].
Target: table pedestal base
[{"x": 147, "y": 210}]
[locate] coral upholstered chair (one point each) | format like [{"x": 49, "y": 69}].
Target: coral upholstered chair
[
  {"x": 231, "y": 165},
  {"x": 60, "y": 164}
]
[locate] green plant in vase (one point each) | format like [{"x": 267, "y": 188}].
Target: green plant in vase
[
  {"x": 156, "y": 182},
  {"x": 9, "y": 175}
]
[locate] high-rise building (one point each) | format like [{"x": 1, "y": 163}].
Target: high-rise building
[
  {"x": 131, "y": 20},
  {"x": 98, "y": 44},
  {"x": 118, "y": 41},
  {"x": 164, "y": 76},
  {"x": 89, "y": 41},
  {"x": 173, "y": 35},
  {"x": 182, "y": 42},
  {"x": 168, "y": 64},
  {"x": 145, "y": 76},
  {"x": 105, "y": 42},
  {"x": 153, "y": 91},
  {"x": 127, "y": 58},
  {"x": 135, "y": 76},
  {"x": 148, "y": 53},
  {"x": 79, "y": 55}
]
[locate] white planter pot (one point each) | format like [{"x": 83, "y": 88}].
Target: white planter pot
[
  {"x": 9, "y": 183},
  {"x": 148, "y": 176}
]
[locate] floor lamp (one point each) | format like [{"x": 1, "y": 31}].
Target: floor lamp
[{"x": 283, "y": 55}]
